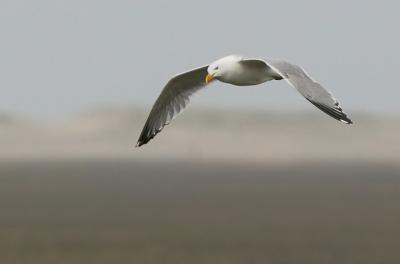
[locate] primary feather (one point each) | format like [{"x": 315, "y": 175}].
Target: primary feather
[{"x": 172, "y": 100}]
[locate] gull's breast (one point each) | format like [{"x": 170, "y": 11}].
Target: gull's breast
[{"x": 244, "y": 76}]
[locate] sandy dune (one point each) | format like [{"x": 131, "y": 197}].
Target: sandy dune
[{"x": 204, "y": 136}]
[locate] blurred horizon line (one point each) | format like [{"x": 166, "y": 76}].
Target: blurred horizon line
[{"x": 197, "y": 109}]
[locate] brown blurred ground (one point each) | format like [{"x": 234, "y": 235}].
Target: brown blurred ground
[
  {"x": 250, "y": 188},
  {"x": 126, "y": 212}
]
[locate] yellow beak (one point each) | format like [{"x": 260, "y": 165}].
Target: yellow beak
[{"x": 209, "y": 78}]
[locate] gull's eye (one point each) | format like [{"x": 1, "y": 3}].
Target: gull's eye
[{"x": 216, "y": 68}]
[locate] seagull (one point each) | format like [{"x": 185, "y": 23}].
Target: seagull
[{"x": 239, "y": 71}]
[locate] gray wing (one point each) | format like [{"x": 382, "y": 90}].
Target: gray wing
[
  {"x": 309, "y": 88},
  {"x": 172, "y": 100}
]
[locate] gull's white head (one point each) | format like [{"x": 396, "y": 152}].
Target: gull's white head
[{"x": 221, "y": 67}]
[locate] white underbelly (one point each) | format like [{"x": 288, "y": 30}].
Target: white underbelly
[{"x": 243, "y": 77}]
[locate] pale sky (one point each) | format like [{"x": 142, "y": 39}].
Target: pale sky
[{"x": 61, "y": 57}]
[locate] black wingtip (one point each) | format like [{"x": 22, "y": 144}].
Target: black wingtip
[
  {"x": 347, "y": 121},
  {"x": 147, "y": 135},
  {"x": 336, "y": 113},
  {"x": 142, "y": 141}
]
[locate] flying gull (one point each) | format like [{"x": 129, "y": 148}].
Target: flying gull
[{"x": 239, "y": 71}]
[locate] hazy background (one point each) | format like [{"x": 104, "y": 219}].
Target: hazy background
[
  {"x": 246, "y": 175},
  {"x": 60, "y": 57}
]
